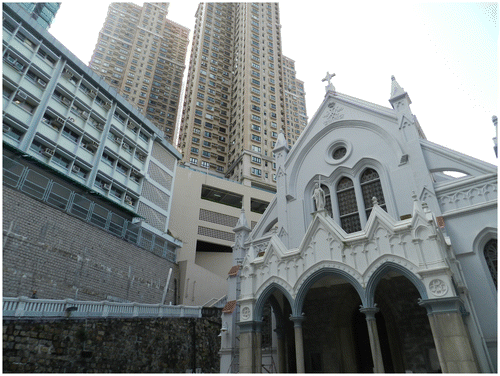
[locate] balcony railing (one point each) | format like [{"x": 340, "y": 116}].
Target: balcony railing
[
  {"x": 20, "y": 177},
  {"x": 24, "y": 307}
]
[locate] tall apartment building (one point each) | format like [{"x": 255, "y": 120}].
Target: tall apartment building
[
  {"x": 238, "y": 86},
  {"x": 43, "y": 13},
  {"x": 295, "y": 102},
  {"x": 141, "y": 54}
]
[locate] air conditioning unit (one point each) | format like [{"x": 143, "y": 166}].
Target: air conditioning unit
[
  {"x": 48, "y": 152},
  {"x": 106, "y": 186},
  {"x": 142, "y": 157},
  {"x": 130, "y": 125},
  {"x": 66, "y": 101},
  {"x": 11, "y": 60},
  {"x": 85, "y": 115},
  {"x": 107, "y": 105},
  {"x": 67, "y": 73},
  {"x": 41, "y": 82},
  {"x": 135, "y": 172},
  {"x": 6, "y": 128},
  {"x": 128, "y": 198},
  {"x": 22, "y": 95},
  {"x": 92, "y": 93},
  {"x": 126, "y": 146},
  {"x": 95, "y": 144},
  {"x": 99, "y": 126},
  {"x": 75, "y": 169}
]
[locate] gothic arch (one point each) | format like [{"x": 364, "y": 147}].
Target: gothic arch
[
  {"x": 316, "y": 276},
  {"x": 266, "y": 294},
  {"x": 381, "y": 271},
  {"x": 478, "y": 245},
  {"x": 296, "y": 159}
]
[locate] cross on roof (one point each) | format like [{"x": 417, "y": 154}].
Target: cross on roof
[{"x": 328, "y": 77}]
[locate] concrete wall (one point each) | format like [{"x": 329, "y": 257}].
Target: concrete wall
[
  {"x": 206, "y": 270},
  {"x": 60, "y": 256},
  {"x": 112, "y": 345}
]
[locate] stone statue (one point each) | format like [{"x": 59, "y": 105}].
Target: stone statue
[{"x": 319, "y": 197}]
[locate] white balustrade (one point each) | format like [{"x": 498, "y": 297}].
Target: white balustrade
[{"x": 26, "y": 307}]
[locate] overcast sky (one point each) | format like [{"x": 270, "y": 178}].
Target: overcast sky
[{"x": 445, "y": 55}]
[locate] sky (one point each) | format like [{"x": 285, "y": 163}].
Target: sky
[{"x": 445, "y": 56}]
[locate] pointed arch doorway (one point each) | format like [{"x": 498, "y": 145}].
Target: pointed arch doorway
[{"x": 335, "y": 331}]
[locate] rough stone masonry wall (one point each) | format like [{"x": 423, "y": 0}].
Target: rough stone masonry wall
[
  {"x": 61, "y": 256},
  {"x": 111, "y": 346}
]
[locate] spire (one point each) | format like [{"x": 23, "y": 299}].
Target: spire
[
  {"x": 242, "y": 223},
  {"x": 399, "y": 97},
  {"x": 396, "y": 89},
  {"x": 281, "y": 142},
  {"x": 495, "y": 142}
]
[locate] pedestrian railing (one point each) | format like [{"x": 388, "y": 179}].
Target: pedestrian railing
[{"x": 24, "y": 307}]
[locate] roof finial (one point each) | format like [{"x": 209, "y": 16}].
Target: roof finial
[{"x": 328, "y": 78}]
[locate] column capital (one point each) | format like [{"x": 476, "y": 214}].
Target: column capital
[
  {"x": 258, "y": 325},
  {"x": 297, "y": 320},
  {"x": 442, "y": 305},
  {"x": 369, "y": 312},
  {"x": 246, "y": 326}
]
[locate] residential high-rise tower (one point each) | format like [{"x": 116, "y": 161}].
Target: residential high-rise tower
[
  {"x": 141, "y": 54},
  {"x": 238, "y": 88},
  {"x": 43, "y": 13}
]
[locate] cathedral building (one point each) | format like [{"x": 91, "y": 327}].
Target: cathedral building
[{"x": 377, "y": 254}]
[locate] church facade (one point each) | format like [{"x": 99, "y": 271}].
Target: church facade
[{"x": 371, "y": 257}]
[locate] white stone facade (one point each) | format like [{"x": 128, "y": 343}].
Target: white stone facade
[{"x": 420, "y": 224}]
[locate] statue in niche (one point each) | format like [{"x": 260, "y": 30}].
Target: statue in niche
[{"x": 319, "y": 197}]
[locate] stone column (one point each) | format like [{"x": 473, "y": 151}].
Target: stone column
[
  {"x": 280, "y": 334},
  {"x": 247, "y": 335},
  {"x": 299, "y": 343},
  {"x": 453, "y": 346},
  {"x": 257, "y": 347},
  {"x": 378, "y": 363}
]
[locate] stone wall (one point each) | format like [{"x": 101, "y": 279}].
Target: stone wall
[
  {"x": 61, "y": 256},
  {"x": 111, "y": 346}
]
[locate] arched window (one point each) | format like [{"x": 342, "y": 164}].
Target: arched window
[
  {"x": 371, "y": 187},
  {"x": 328, "y": 200},
  {"x": 348, "y": 207},
  {"x": 491, "y": 256}
]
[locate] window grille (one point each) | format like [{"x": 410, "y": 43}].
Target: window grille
[
  {"x": 371, "y": 187},
  {"x": 348, "y": 208},
  {"x": 491, "y": 256}
]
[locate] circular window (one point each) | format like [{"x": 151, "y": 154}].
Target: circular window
[{"x": 339, "y": 153}]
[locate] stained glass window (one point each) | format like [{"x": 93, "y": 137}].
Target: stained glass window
[
  {"x": 491, "y": 256},
  {"x": 371, "y": 187},
  {"x": 328, "y": 200},
  {"x": 348, "y": 207}
]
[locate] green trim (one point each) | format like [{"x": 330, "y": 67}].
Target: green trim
[{"x": 68, "y": 179}]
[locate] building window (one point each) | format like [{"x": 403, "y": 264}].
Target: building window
[
  {"x": 348, "y": 208},
  {"x": 371, "y": 187},
  {"x": 491, "y": 256},
  {"x": 258, "y": 206},
  {"x": 256, "y": 171}
]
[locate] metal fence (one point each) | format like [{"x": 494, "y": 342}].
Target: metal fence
[
  {"x": 38, "y": 186},
  {"x": 23, "y": 307}
]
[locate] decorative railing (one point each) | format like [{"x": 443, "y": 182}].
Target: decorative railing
[{"x": 24, "y": 307}]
